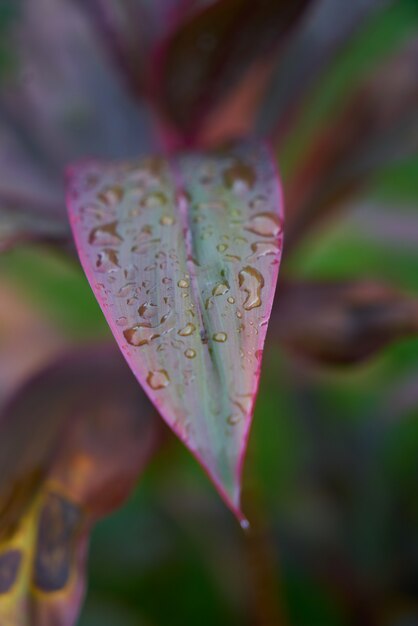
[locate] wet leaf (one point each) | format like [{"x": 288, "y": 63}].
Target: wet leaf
[
  {"x": 72, "y": 443},
  {"x": 205, "y": 58},
  {"x": 183, "y": 258},
  {"x": 342, "y": 323}
]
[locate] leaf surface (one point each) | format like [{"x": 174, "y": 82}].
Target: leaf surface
[{"x": 183, "y": 257}]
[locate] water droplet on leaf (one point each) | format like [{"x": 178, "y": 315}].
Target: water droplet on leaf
[
  {"x": 158, "y": 379},
  {"x": 251, "y": 282}
]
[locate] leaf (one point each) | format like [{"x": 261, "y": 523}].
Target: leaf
[
  {"x": 342, "y": 323},
  {"x": 183, "y": 257},
  {"x": 208, "y": 54},
  {"x": 25, "y": 220},
  {"x": 73, "y": 104},
  {"x": 131, "y": 30},
  {"x": 377, "y": 126},
  {"x": 72, "y": 443},
  {"x": 308, "y": 53}
]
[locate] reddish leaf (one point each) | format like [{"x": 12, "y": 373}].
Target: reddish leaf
[
  {"x": 206, "y": 57},
  {"x": 337, "y": 323},
  {"x": 183, "y": 257},
  {"x": 72, "y": 444}
]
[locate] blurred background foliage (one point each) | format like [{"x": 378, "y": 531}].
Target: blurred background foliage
[{"x": 332, "y": 468}]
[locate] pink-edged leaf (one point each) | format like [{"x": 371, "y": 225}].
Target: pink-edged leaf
[{"x": 183, "y": 257}]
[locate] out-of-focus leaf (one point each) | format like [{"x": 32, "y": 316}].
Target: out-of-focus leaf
[
  {"x": 322, "y": 33},
  {"x": 63, "y": 102},
  {"x": 130, "y": 30},
  {"x": 183, "y": 258},
  {"x": 24, "y": 220},
  {"x": 378, "y": 126},
  {"x": 22, "y": 325},
  {"x": 73, "y": 441},
  {"x": 205, "y": 58},
  {"x": 335, "y": 322}
]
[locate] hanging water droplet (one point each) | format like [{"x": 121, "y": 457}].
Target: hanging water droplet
[
  {"x": 187, "y": 330},
  {"x": 121, "y": 321},
  {"x": 190, "y": 353},
  {"x": 220, "y": 337},
  {"x": 220, "y": 289},
  {"x": 158, "y": 379},
  {"x": 265, "y": 225},
  {"x": 251, "y": 282},
  {"x": 183, "y": 283}
]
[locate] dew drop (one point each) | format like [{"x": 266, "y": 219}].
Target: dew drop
[
  {"x": 183, "y": 283},
  {"x": 121, "y": 321},
  {"x": 158, "y": 379},
  {"x": 251, "y": 282},
  {"x": 107, "y": 260},
  {"x": 264, "y": 248},
  {"x": 187, "y": 330},
  {"x": 147, "y": 310},
  {"x": 166, "y": 280},
  {"x": 265, "y": 225},
  {"x": 111, "y": 195},
  {"x": 125, "y": 290},
  {"x": 139, "y": 335},
  {"x": 105, "y": 235},
  {"x": 221, "y": 247},
  {"x": 220, "y": 337},
  {"x": 232, "y": 420},
  {"x": 154, "y": 199},
  {"x": 220, "y": 289},
  {"x": 240, "y": 177},
  {"x": 190, "y": 353},
  {"x": 167, "y": 220},
  {"x": 231, "y": 300}
]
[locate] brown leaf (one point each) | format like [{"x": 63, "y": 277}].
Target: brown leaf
[
  {"x": 342, "y": 323},
  {"x": 207, "y": 56}
]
